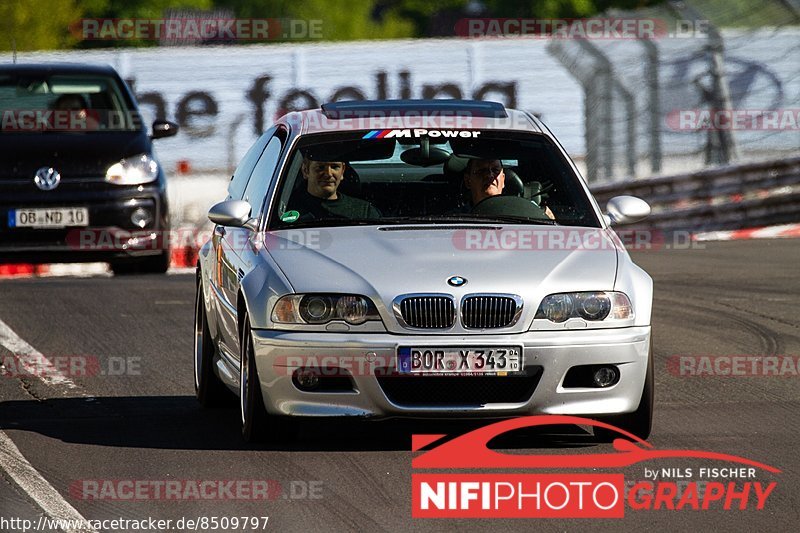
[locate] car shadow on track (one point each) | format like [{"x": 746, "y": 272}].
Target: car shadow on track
[{"x": 179, "y": 422}]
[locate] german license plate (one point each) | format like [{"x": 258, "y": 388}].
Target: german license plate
[
  {"x": 497, "y": 360},
  {"x": 54, "y": 217}
]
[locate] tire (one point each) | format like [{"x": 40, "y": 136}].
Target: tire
[
  {"x": 208, "y": 388},
  {"x": 257, "y": 424},
  {"x": 155, "y": 264},
  {"x": 639, "y": 422}
]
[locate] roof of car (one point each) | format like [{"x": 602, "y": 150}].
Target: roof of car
[
  {"x": 402, "y": 114},
  {"x": 56, "y": 68}
]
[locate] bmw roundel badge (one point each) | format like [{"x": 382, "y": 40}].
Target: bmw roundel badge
[{"x": 456, "y": 281}]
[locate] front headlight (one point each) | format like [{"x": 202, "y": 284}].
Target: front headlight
[
  {"x": 592, "y": 306},
  {"x": 323, "y": 308},
  {"x": 134, "y": 170}
]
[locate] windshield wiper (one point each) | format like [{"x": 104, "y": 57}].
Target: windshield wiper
[
  {"x": 331, "y": 222},
  {"x": 469, "y": 217}
]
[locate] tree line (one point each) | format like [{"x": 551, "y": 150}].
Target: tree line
[{"x": 59, "y": 24}]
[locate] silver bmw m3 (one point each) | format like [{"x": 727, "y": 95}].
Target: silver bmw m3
[{"x": 438, "y": 258}]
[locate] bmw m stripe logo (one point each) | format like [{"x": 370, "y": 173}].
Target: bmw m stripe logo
[
  {"x": 456, "y": 281},
  {"x": 376, "y": 134}
]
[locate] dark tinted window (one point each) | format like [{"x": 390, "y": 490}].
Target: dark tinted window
[{"x": 80, "y": 103}]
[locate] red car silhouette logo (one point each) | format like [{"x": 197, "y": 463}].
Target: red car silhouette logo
[{"x": 470, "y": 451}]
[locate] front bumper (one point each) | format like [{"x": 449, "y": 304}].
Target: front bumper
[
  {"x": 547, "y": 358},
  {"x": 110, "y": 233}
]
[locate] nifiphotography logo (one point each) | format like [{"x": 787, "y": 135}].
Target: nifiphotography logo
[{"x": 510, "y": 490}]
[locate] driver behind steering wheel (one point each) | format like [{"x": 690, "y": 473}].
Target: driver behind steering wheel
[{"x": 485, "y": 179}]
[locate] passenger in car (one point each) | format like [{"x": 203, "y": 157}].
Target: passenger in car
[
  {"x": 321, "y": 197},
  {"x": 75, "y": 103},
  {"x": 484, "y": 179},
  {"x": 70, "y": 102}
]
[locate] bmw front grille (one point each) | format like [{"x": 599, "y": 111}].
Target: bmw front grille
[
  {"x": 428, "y": 311},
  {"x": 438, "y": 311},
  {"x": 489, "y": 311}
]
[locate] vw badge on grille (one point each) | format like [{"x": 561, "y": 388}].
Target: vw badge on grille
[
  {"x": 457, "y": 281},
  {"x": 47, "y": 178}
]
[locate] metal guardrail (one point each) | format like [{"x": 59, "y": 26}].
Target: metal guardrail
[{"x": 723, "y": 198}]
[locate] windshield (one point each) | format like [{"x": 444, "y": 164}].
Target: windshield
[
  {"x": 64, "y": 103},
  {"x": 394, "y": 177}
]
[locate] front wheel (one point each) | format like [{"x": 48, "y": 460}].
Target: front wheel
[
  {"x": 639, "y": 422},
  {"x": 257, "y": 424}
]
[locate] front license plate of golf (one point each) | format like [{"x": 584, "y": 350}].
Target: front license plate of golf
[
  {"x": 489, "y": 360},
  {"x": 54, "y": 217}
]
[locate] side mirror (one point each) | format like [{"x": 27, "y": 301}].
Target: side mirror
[
  {"x": 163, "y": 128},
  {"x": 232, "y": 213},
  {"x": 627, "y": 210}
]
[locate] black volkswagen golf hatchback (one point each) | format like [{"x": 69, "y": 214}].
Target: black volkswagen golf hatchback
[{"x": 78, "y": 177}]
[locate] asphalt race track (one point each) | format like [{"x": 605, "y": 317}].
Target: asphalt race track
[{"x": 135, "y": 417}]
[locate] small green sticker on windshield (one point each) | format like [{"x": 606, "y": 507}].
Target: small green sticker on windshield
[{"x": 290, "y": 216}]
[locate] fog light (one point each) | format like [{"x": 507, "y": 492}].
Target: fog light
[
  {"x": 605, "y": 376},
  {"x": 141, "y": 217},
  {"x": 306, "y": 379}
]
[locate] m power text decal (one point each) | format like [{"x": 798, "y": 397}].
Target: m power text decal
[{"x": 419, "y": 132}]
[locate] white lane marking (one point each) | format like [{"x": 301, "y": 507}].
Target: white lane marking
[
  {"x": 32, "y": 360},
  {"x": 31, "y": 481},
  {"x": 11, "y": 459}
]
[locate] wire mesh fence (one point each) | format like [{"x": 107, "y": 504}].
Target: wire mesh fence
[{"x": 721, "y": 86}]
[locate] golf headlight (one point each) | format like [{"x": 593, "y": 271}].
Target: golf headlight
[
  {"x": 593, "y": 306},
  {"x": 134, "y": 170},
  {"x": 323, "y": 308}
]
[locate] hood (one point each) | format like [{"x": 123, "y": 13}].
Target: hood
[
  {"x": 72, "y": 154},
  {"x": 385, "y": 262}
]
